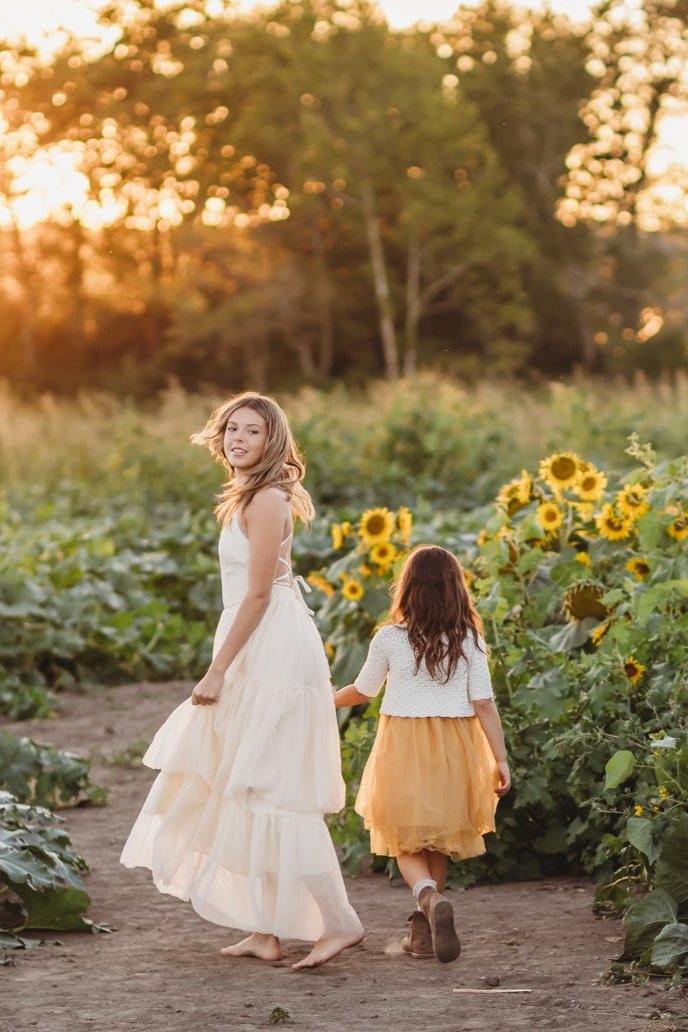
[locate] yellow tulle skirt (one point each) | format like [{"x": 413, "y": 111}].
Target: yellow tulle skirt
[{"x": 429, "y": 783}]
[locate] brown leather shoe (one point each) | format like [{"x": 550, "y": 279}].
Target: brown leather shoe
[
  {"x": 440, "y": 915},
  {"x": 418, "y": 940}
]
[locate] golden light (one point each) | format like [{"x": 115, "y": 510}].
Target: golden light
[
  {"x": 48, "y": 185},
  {"x": 51, "y": 186}
]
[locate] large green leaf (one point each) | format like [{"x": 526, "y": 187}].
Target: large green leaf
[
  {"x": 645, "y": 919},
  {"x": 573, "y": 634},
  {"x": 672, "y": 866},
  {"x": 639, "y": 833},
  {"x": 36, "y": 773},
  {"x": 649, "y": 530},
  {"x": 60, "y": 909},
  {"x": 671, "y": 945},
  {"x": 618, "y": 768}
]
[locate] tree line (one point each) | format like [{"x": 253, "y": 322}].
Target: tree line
[{"x": 301, "y": 194}]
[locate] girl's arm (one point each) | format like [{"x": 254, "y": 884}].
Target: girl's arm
[
  {"x": 349, "y": 696},
  {"x": 371, "y": 677},
  {"x": 266, "y": 516},
  {"x": 488, "y": 715}
]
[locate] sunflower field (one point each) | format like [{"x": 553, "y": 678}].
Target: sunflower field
[
  {"x": 582, "y": 580},
  {"x": 577, "y": 565}
]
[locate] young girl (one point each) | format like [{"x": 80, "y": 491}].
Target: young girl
[
  {"x": 250, "y": 763},
  {"x": 429, "y": 789}
]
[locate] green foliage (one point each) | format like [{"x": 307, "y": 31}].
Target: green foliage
[
  {"x": 44, "y": 776},
  {"x": 40, "y": 874},
  {"x": 114, "y": 576},
  {"x": 584, "y": 592},
  {"x": 91, "y": 601}
]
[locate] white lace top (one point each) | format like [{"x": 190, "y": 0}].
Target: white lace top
[{"x": 411, "y": 694}]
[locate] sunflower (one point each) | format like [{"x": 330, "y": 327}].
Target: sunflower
[
  {"x": 329, "y": 649},
  {"x": 405, "y": 523},
  {"x": 320, "y": 584},
  {"x": 549, "y": 516},
  {"x": 584, "y": 510},
  {"x": 678, "y": 528},
  {"x": 638, "y": 567},
  {"x": 514, "y": 495},
  {"x": 561, "y": 470},
  {"x": 383, "y": 554},
  {"x": 590, "y": 484},
  {"x": 352, "y": 590},
  {"x": 376, "y": 525},
  {"x": 599, "y": 633},
  {"x": 632, "y": 501},
  {"x": 337, "y": 536},
  {"x": 633, "y": 669},
  {"x": 468, "y": 576},
  {"x": 346, "y": 528},
  {"x": 583, "y": 600},
  {"x": 638, "y": 810},
  {"x": 482, "y": 538},
  {"x": 583, "y": 558},
  {"x": 612, "y": 525}
]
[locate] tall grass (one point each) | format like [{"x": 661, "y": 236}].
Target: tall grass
[{"x": 426, "y": 441}]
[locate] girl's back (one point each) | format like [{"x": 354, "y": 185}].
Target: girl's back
[{"x": 411, "y": 690}]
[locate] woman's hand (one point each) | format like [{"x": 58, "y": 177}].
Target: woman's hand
[
  {"x": 504, "y": 778},
  {"x": 208, "y": 689}
]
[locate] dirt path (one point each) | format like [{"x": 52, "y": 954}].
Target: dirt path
[{"x": 160, "y": 971}]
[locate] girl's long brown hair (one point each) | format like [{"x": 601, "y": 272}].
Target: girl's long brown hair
[
  {"x": 280, "y": 466},
  {"x": 431, "y": 598}
]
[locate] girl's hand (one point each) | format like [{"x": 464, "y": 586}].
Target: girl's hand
[
  {"x": 208, "y": 689},
  {"x": 504, "y": 778}
]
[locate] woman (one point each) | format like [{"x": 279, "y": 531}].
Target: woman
[{"x": 250, "y": 763}]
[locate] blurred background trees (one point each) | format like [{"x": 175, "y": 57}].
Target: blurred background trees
[{"x": 299, "y": 194}]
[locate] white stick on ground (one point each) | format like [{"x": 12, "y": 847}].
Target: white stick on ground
[{"x": 491, "y": 991}]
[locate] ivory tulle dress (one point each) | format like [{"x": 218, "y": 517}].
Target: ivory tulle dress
[{"x": 234, "y": 821}]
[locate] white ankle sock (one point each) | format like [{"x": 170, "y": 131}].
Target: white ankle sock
[{"x": 424, "y": 883}]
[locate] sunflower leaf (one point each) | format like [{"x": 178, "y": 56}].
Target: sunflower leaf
[
  {"x": 645, "y": 919},
  {"x": 670, "y": 945},
  {"x": 672, "y": 867},
  {"x": 618, "y": 768},
  {"x": 639, "y": 833}
]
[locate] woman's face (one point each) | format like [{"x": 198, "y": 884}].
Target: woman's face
[{"x": 245, "y": 438}]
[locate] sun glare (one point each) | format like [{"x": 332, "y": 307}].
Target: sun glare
[{"x": 50, "y": 185}]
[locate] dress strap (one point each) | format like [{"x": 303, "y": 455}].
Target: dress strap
[{"x": 280, "y": 579}]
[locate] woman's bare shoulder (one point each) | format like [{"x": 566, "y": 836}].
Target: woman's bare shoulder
[{"x": 268, "y": 501}]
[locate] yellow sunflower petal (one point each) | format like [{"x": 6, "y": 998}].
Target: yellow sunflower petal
[
  {"x": 561, "y": 470},
  {"x": 678, "y": 528},
  {"x": 640, "y": 568},
  {"x": 549, "y": 516},
  {"x": 633, "y": 669},
  {"x": 352, "y": 590},
  {"x": 612, "y": 525},
  {"x": 376, "y": 525},
  {"x": 590, "y": 484},
  {"x": 383, "y": 553},
  {"x": 632, "y": 501}
]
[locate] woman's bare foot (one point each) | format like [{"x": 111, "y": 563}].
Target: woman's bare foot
[
  {"x": 326, "y": 949},
  {"x": 265, "y": 947}
]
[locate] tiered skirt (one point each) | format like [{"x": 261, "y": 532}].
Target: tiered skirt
[{"x": 234, "y": 821}]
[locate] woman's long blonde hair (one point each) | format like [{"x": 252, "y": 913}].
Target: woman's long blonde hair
[{"x": 280, "y": 466}]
